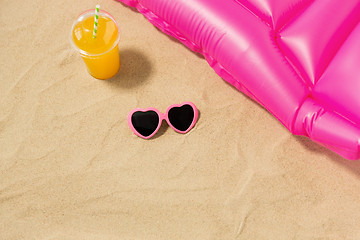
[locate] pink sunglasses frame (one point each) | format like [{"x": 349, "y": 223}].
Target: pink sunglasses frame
[{"x": 162, "y": 116}]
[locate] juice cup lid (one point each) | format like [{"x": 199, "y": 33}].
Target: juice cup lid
[{"x": 84, "y": 15}]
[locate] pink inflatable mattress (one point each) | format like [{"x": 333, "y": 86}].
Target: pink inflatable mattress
[{"x": 300, "y": 59}]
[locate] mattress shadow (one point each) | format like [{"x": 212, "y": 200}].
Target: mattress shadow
[
  {"x": 170, "y": 37},
  {"x": 127, "y": 6},
  {"x": 173, "y": 39},
  {"x": 135, "y": 69},
  {"x": 353, "y": 166}
]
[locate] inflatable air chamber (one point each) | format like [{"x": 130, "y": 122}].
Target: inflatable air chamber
[{"x": 300, "y": 59}]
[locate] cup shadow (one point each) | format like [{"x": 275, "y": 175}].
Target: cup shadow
[
  {"x": 353, "y": 166},
  {"x": 135, "y": 69}
]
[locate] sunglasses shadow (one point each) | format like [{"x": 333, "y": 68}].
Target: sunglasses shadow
[{"x": 163, "y": 128}]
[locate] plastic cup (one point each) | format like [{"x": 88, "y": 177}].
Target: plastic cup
[{"x": 100, "y": 54}]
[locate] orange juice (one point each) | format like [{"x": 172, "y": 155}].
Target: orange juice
[{"x": 100, "y": 54}]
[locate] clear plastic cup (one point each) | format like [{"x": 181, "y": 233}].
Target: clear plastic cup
[{"x": 100, "y": 55}]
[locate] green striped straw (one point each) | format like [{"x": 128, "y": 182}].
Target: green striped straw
[{"x": 96, "y": 19}]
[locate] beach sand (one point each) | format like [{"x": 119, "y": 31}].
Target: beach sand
[{"x": 70, "y": 167}]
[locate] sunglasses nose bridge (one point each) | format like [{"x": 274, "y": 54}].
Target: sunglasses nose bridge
[{"x": 162, "y": 116}]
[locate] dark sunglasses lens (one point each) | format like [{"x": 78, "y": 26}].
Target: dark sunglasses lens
[
  {"x": 145, "y": 122},
  {"x": 181, "y": 117}
]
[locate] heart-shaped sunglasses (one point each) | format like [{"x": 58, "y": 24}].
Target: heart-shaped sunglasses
[{"x": 146, "y": 122}]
